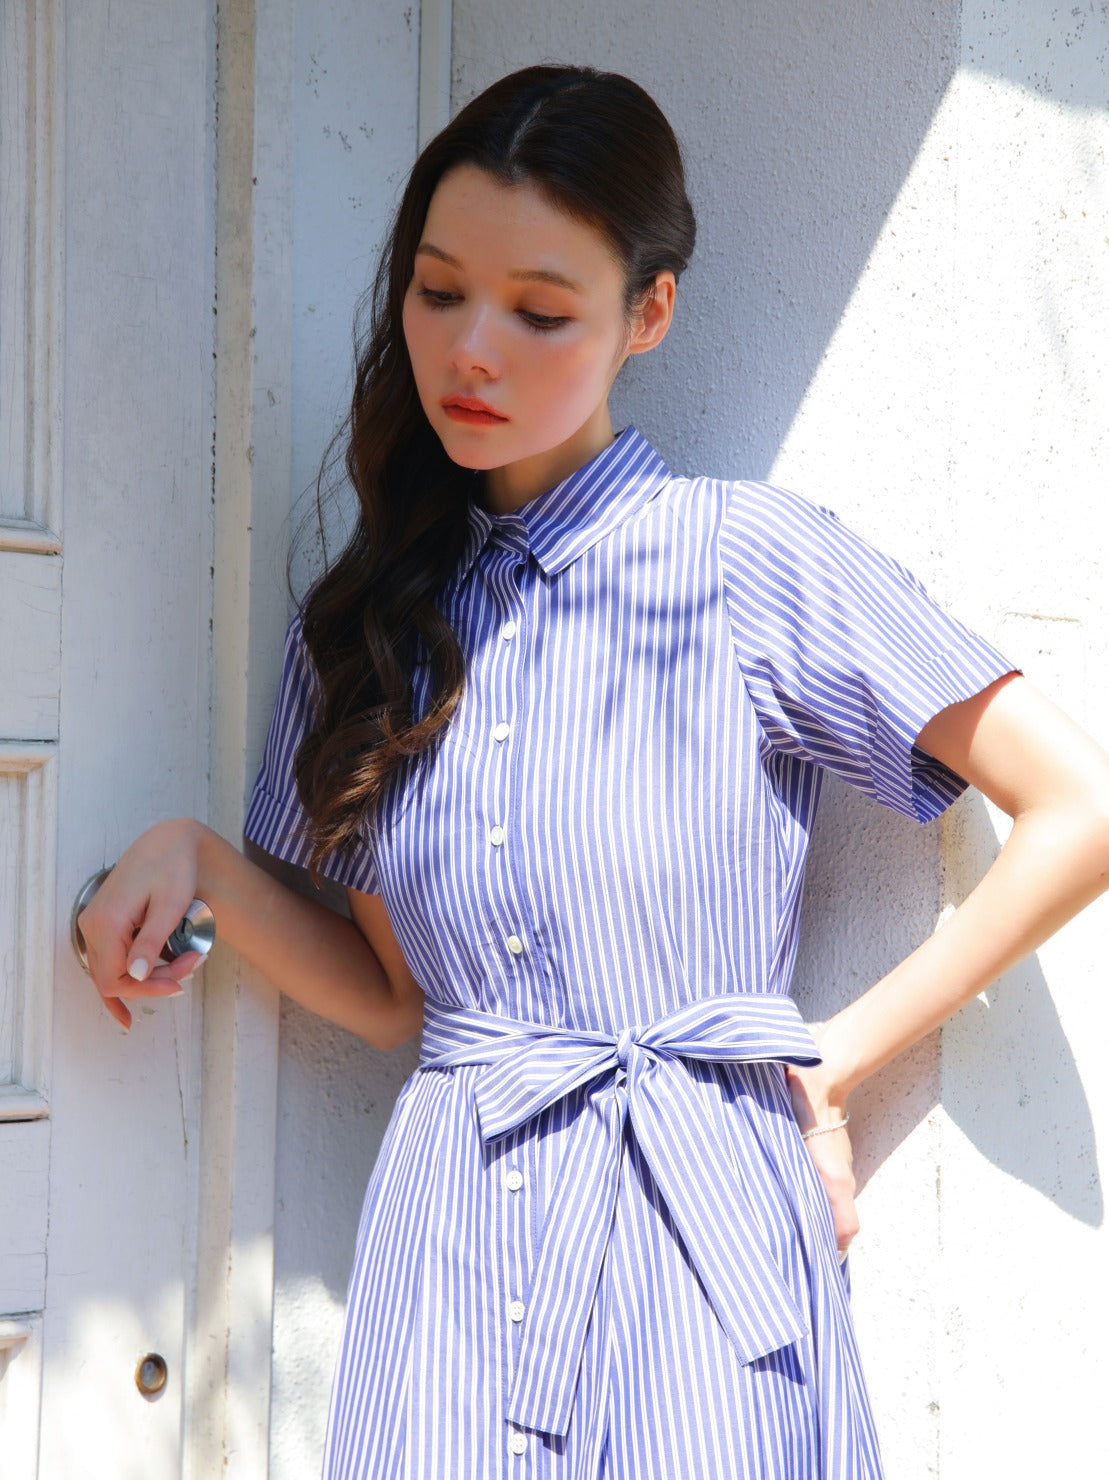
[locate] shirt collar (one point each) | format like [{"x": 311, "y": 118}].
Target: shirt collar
[{"x": 561, "y": 524}]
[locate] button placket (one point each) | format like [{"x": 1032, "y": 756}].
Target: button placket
[
  {"x": 501, "y": 657},
  {"x": 506, "y": 580}
]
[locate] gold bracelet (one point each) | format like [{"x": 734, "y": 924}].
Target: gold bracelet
[{"x": 824, "y": 1130}]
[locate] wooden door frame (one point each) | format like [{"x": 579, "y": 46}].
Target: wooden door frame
[{"x": 227, "y": 1401}]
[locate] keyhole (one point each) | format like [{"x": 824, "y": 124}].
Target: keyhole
[{"x": 151, "y": 1375}]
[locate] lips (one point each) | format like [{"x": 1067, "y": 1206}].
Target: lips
[{"x": 471, "y": 411}]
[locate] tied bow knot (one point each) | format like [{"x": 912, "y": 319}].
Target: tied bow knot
[
  {"x": 624, "y": 1045},
  {"x": 531, "y": 1066}
]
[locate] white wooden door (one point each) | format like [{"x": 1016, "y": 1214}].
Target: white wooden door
[{"x": 106, "y": 350}]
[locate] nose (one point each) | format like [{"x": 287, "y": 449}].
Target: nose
[{"x": 474, "y": 350}]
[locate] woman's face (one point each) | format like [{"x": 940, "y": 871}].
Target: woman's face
[{"x": 515, "y": 325}]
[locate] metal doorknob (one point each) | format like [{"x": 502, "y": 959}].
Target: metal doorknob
[{"x": 195, "y": 932}]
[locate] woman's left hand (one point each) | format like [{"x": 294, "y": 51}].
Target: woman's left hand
[{"x": 831, "y": 1151}]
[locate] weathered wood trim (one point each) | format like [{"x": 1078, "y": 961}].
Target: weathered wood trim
[{"x": 227, "y": 1400}]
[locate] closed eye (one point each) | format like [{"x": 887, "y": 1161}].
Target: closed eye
[
  {"x": 543, "y": 322},
  {"x": 438, "y": 298}
]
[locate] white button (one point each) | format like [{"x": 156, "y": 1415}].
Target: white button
[
  {"x": 500, "y": 732},
  {"x": 514, "y": 1180},
  {"x": 515, "y": 945},
  {"x": 508, "y": 631},
  {"x": 496, "y": 836},
  {"x": 518, "y": 1443},
  {"x": 516, "y": 1310}
]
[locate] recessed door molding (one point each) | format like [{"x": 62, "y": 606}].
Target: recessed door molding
[
  {"x": 30, "y": 275},
  {"x": 28, "y": 822}
]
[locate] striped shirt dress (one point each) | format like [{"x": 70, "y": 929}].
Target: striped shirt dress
[{"x": 594, "y": 1246}]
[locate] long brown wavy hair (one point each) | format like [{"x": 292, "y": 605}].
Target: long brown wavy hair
[{"x": 599, "y": 147}]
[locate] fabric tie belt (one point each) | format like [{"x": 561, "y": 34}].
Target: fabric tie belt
[{"x": 531, "y": 1066}]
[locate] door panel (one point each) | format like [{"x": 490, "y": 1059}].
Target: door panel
[
  {"x": 30, "y": 651},
  {"x": 106, "y": 350},
  {"x": 24, "y": 1151},
  {"x": 28, "y": 811},
  {"x": 30, "y": 658}
]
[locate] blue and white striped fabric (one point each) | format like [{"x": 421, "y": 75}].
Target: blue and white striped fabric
[{"x": 594, "y": 1246}]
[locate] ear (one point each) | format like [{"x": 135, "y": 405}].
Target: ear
[{"x": 651, "y": 323}]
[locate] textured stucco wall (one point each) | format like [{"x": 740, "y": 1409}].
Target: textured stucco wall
[
  {"x": 1024, "y": 1247},
  {"x": 898, "y": 305}
]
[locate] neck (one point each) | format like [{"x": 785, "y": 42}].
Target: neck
[{"x": 509, "y": 488}]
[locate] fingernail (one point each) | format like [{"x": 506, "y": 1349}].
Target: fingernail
[
  {"x": 180, "y": 992},
  {"x": 138, "y": 970}
]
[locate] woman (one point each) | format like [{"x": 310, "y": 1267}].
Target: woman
[{"x": 557, "y": 720}]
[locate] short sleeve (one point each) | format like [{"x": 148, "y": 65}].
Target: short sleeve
[
  {"x": 276, "y": 820},
  {"x": 844, "y": 654}
]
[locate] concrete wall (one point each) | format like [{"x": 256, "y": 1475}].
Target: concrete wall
[{"x": 898, "y": 305}]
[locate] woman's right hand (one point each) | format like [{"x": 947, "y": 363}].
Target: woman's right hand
[
  {"x": 133, "y": 913},
  {"x": 320, "y": 958}
]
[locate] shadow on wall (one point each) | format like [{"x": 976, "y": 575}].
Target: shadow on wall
[
  {"x": 792, "y": 178},
  {"x": 1010, "y": 1082},
  {"x": 1009, "y": 1079},
  {"x": 800, "y": 123},
  {"x": 1060, "y": 53}
]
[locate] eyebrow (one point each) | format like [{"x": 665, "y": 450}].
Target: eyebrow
[{"x": 518, "y": 274}]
